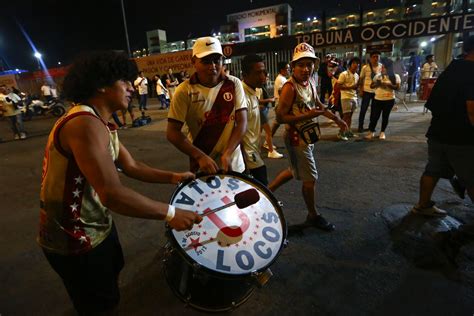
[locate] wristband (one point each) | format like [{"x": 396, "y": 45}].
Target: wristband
[{"x": 171, "y": 212}]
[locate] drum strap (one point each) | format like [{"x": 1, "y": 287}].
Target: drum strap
[{"x": 215, "y": 121}]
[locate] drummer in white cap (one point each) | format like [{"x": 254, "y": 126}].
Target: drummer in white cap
[
  {"x": 298, "y": 104},
  {"x": 212, "y": 106}
]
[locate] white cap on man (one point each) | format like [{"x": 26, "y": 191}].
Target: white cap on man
[
  {"x": 303, "y": 50},
  {"x": 205, "y": 46}
]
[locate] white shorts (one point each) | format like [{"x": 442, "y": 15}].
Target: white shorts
[{"x": 348, "y": 105}]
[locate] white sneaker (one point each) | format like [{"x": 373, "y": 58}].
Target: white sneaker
[
  {"x": 22, "y": 136},
  {"x": 382, "y": 135},
  {"x": 17, "y": 136},
  {"x": 274, "y": 154},
  {"x": 342, "y": 136},
  {"x": 432, "y": 210},
  {"x": 265, "y": 145},
  {"x": 369, "y": 135}
]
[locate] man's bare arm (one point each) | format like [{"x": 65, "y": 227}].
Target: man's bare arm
[
  {"x": 180, "y": 141},
  {"x": 235, "y": 138},
  {"x": 87, "y": 139},
  {"x": 140, "y": 171}
]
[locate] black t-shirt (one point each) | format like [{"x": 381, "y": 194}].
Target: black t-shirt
[
  {"x": 323, "y": 72},
  {"x": 450, "y": 123}
]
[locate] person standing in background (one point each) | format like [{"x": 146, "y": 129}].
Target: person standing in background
[
  {"x": 283, "y": 74},
  {"x": 141, "y": 84},
  {"x": 367, "y": 73}
]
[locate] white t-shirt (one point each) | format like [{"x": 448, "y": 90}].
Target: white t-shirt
[
  {"x": 251, "y": 139},
  {"x": 160, "y": 89},
  {"x": 427, "y": 70},
  {"x": 348, "y": 79},
  {"x": 279, "y": 82},
  {"x": 142, "y": 85},
  {"x": 191, "y": 103},
  {"x": 7, "y": 106},
  {"x": 45, "y": 90},
  {"x": 366, "y": 76},
  {"x": 384, "y": 94},
  {"x": 54, "y": 92}
]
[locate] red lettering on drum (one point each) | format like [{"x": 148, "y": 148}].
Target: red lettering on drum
[{"x": 230, "y": 231}]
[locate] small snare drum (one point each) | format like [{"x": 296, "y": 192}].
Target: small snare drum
[{"x": 215, "y": 265}]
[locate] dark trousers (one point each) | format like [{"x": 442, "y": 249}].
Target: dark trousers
[
  {"x": 142, "y": 104},
  {"x": 116, "y": 119},
  {"x": 380, "y": 107},
  {"x": 411, "y": 82},
  {"x": 326, "y": 86},
  {"x": 91, "y": 279},
  {"x": 367, "y": 99},
  {"x": 260, "y": 174}
]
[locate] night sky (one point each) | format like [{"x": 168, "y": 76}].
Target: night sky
[{"x": 61, "y": 28}]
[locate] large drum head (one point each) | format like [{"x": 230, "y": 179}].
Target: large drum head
[{"x": 231, "y": 241}]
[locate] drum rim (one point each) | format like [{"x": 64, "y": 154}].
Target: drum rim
[{"x": 269, "y": 195}]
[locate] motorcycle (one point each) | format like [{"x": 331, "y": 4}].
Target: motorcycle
[{"x": 32, "y": 106}]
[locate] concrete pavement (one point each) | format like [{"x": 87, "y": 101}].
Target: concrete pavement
[{"x": 356, "y": 270}]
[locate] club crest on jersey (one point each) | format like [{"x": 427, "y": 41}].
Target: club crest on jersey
[{"x": 228, "y": 96}]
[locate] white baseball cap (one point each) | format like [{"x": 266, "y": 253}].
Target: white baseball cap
[
  {"x": 303, "y": 50},
  {"x": 206, "y": 46}
]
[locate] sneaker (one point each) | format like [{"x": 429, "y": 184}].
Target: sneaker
[
  {"x": 22, "y": 136},
  {"x": 382, "y": 135},
  {"x": 350, "y": 134},
  {"x": 458, "y": 187},
  {"x": 274, "y": 154},
  {"x": 369, "y": 135},
  {"x": 17, "y": 136},
  {"x": 265, "y": 145},
  {"x": 431, "y": 210},
  {"x": 342, "y": 136},
  {"x": 320, "y": 222}
]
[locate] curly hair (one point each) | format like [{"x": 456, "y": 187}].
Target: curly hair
[{"x": 94, "y": 70}]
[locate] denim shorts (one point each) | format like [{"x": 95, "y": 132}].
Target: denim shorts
[
  {"x": 445, "y": 161},
  {"x": 264, "y": 116},
  {"x": 302, "y": 162}
]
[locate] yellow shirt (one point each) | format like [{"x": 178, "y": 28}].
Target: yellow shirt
[{"x": 251, "y": 139}]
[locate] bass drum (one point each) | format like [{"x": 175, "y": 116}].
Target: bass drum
[{"x": 216, "y": 265}]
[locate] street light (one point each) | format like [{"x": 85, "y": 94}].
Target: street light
[{"x": 38, "y": 57}]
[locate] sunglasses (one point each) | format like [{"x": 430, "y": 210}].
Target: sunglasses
[{"x": 211, "y": 60}]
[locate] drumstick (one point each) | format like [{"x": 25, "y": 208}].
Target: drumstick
[{"x": 242, "y": 200}]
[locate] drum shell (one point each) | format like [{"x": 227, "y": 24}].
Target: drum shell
[{"x": 205, "y": 291}]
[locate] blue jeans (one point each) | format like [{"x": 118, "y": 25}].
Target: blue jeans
[
  {"x": 142, "y": 105},
  {"x": 367, "y": 99},
  {"x": 163, "y": 101},
  {"x": 17, "y": 124}
]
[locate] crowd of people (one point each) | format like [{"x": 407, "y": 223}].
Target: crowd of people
[{"x": 225, "y": 117}]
